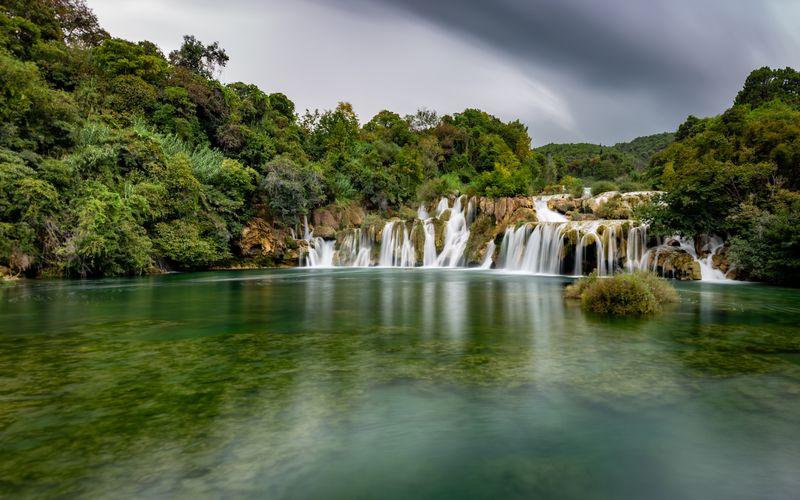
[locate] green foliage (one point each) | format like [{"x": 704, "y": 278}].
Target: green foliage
[
  {"x": 767, "y": 248},
  {"x": 436, "y": 188},
  {"x": 102, "y": 237},
  {"x": 290, "y": 190},
  {"x": 600, "y": 187},
  {"x": 636, "y": 294},
  {"x": 199, "y": 58},
  {"x": 116, "y": 57},
  {"x": 737, "y": 175},
  {"x": 624, "y": 161},
  {"x": 765, "y": 84},
  {"x": 183, "y": 245},
  {"x": 32, "y": 116}
]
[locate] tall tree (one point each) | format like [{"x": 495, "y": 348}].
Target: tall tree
[{"x": 199, "y": 58}]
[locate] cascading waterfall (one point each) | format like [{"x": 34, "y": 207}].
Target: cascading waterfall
[
  {"x": 552, "y": 246},
  {"x": 398, "y": 241},
  {"x": 456, "y": 234},
  {"x": 355, "y": 249},
  {"x": 397, "y": 248},
  {"x": 320, "y": 252}
]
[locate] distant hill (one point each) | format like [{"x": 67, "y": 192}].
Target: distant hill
[{"x": 595, "y": 161}]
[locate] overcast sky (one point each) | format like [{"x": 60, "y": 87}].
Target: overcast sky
[{"x": 572, "y": 70}]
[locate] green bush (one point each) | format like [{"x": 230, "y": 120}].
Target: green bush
[
  {"x": 603, "y": 187},
  {"x": 573, "y": 186},
  {"x": 576, "y": 289},
  {"x": 433, "y": 189},
  {"x": 635, "y": 294},
  {"x": 633, "y": 186}
]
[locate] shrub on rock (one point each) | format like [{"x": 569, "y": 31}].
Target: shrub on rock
[{"x": 637, "y": 294}]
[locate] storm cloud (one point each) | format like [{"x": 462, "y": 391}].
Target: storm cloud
[{"x": 572, "y": 70}]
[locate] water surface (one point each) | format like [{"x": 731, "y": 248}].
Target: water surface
[{"x": 386, "y": 383}]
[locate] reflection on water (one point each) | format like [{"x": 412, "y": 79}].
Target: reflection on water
[{"x": 392, "y": 383}]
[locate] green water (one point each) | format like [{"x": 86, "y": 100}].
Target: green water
[{"x": 393, "y": 384}]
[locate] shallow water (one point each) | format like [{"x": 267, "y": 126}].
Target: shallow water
[{"x": 385, "y": 383}]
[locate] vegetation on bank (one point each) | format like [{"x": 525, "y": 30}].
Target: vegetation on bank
[
  {"x": 640, "y": 293},
  {"x": 737, "y": 175},
  {"x": 116, "y": 159}
]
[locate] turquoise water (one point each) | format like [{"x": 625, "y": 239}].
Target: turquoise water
[{"x": 373, "y": 383}]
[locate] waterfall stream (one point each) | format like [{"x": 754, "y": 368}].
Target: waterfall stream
[{"x": 439, "y": 236}]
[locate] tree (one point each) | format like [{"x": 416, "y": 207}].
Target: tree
[
  {"x": 78, "y": 23},
  {"x": 198, "y": 58},
  {"x": 766, "y": 84}
]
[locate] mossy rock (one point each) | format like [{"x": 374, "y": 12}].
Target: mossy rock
[{"x": 481, "y": 232}]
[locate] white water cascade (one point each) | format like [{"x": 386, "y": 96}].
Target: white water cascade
[
  {"x": 552, "y": 246},
  {"x": 399, "y": 240},
  {"x": 456, "y": 234},
  {"x": 320, "y": 252}
]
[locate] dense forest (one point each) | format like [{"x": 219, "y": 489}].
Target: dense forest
[
  {"x": 619, "y": 167},
  {"x": 738, "y": 175},
  {"x": 118, "y": 159}
]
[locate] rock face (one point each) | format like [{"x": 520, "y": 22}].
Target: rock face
[
  {"x": 616, "y": 205},
  {"x": 565, "y": 205},
  {"x": 326, "y": 221},
  {"x": 675, "y": 263},
  {"x": 261, "y": 240}
]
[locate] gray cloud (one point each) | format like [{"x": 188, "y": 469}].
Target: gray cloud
[{"x": 572, "y": 70}]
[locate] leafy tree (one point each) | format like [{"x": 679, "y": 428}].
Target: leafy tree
[
  {"x": 766, "y": 84},
  {"x": 290, "y": 190},
  {"x": 199, "y": 58},
  {"x": 118, "y": 57},
  {"x": 78, "y": 23}
]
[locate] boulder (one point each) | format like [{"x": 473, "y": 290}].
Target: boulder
[
  {"x": 323, "y": 217},
  {"x": 260, "y": 239},
  {"x": 325, "y": 232},
  {"x": 676, "y": 263},
  {"x": 500, "y": 207}
]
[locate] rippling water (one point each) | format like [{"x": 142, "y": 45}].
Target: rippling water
[{"x": 381, "y": 383}]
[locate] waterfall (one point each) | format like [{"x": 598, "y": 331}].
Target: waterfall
[
  {"x": 456, "y": 235},
  {"x": 552, "y": 246},
  {"x": 397, "y": 249},
  {"x": 707, "y": 269},
  {"x": 487, "y": 259},
  {"x": 543, "y": 212},
  {"x": 355, "y": 249},
  {"x": 429, "y": 247},
  {"x": 320, "y": 252},
  {"x": 636, "y": 250},
  {"x": 547, "y": 247}
]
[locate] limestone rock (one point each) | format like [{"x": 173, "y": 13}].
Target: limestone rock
[
  {"x": 323, "y": 217},
  {"x": 676, "y": 263},
  {"x": 325, "y": 232},
  {"x": 260, "y": 239}
]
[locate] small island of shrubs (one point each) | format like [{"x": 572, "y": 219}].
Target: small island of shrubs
[{"x": 636, "y": 294}]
